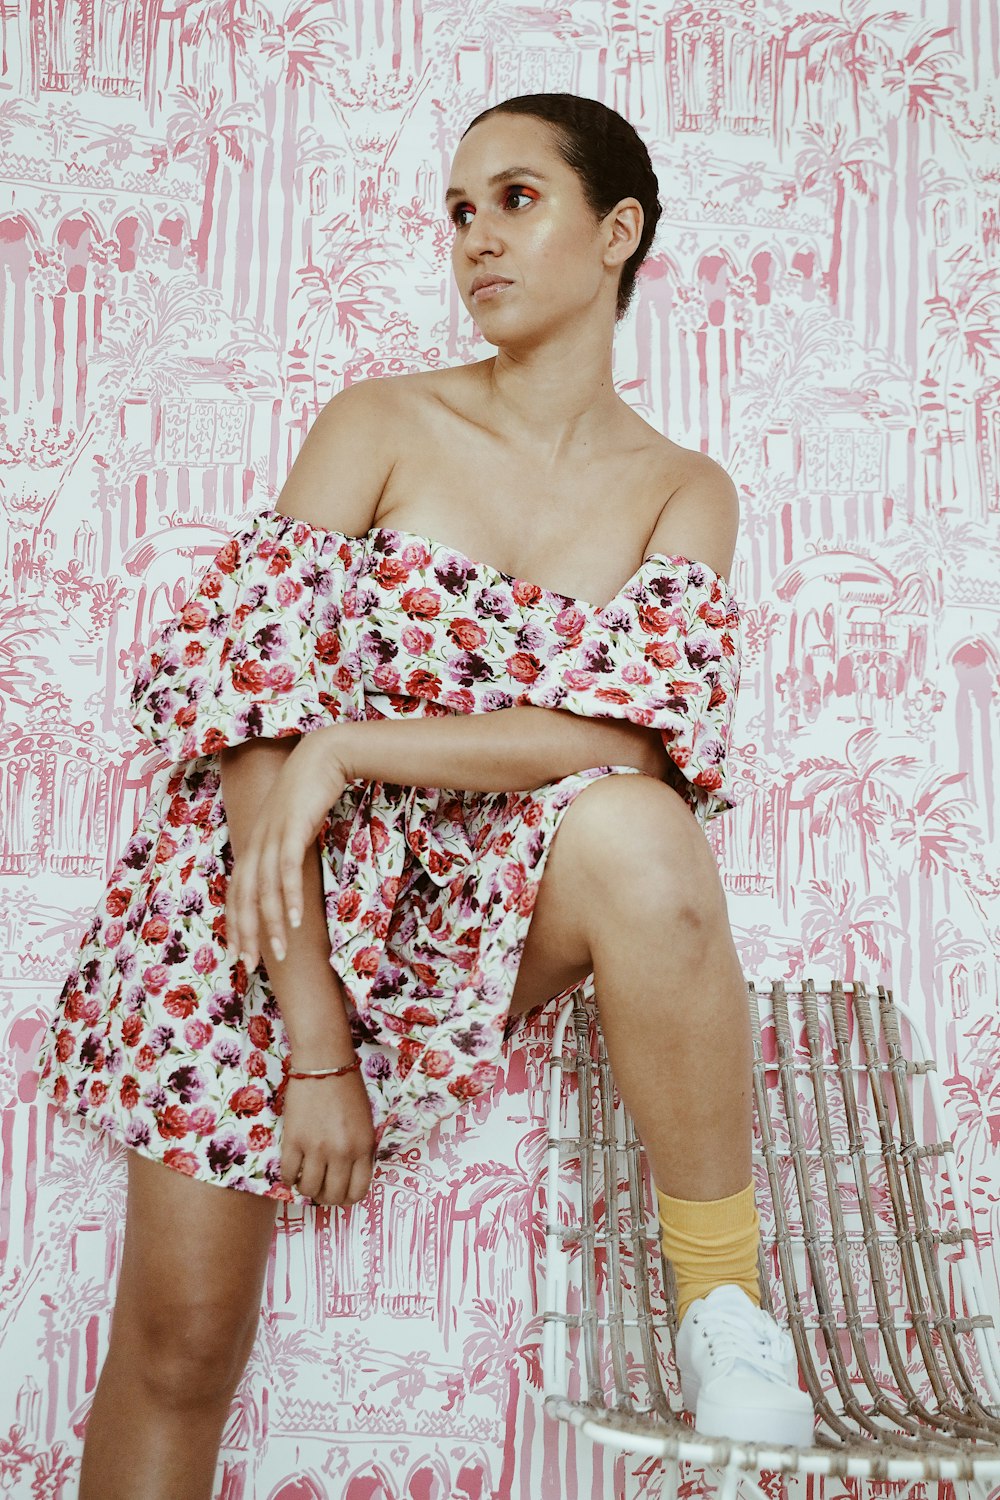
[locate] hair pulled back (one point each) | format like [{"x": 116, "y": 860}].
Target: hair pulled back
[{"x": 607, "y": 155}]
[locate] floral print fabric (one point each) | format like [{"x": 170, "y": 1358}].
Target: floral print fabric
[{"x": 161, "y": 1041}]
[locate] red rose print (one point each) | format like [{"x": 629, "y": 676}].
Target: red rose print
[
  {"x": 131, "y": 1030},
  {"x": 467, "y": 634},
  {"x": 165, "y": 849},
  {"x": 526, "y": 594},
  {"x": 128, "y": 1092},
  {"x": 348, "y": 905},
  {"x": 181, "y": 1002},
  {"x": 662, "y": 654},
  {"x": 213, "y": 740},
  {"x": 328, "y": 648},
  {"x": 390, "y": 573},
  {"x": 419, "y": 1015},
  {"x": 436, "y": 1064},
  {"x": 250, "y": 677},
  {"x": 172, "y": 1121},
  {"x": 261, "y": 1031},
  {"x": 247, "y": 1101},
  {"x": 422, "y": 603},
  {"x": 182, "y": 1161},
  {"x": 155, "y": 930},
  {"x": 194, "y": 616},
  {"x": 523, "y": 666},
  {"x": 423, "y": 684},
  {"x": 116, "y": 902},
  {"x": 366, "y": 962},
  {"x": 409, "y": 1051},
  {"x": 259, "y": 1137},
  {"x": 652, "y": 619}
]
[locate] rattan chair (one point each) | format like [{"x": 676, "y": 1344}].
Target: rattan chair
[{"x": 866, "y": 1247}]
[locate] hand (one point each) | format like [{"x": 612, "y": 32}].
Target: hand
[
  {"x": 328, "y": 1139},
  {"x": 268, "y": 873}
]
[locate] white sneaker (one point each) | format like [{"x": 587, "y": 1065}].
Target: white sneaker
[{"x": 739, "y": 1376}]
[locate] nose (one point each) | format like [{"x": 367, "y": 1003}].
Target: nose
[{"x": 482, "y": 235}]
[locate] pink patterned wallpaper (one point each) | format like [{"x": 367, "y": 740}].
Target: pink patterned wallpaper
[{"x": 215, "y": 216}]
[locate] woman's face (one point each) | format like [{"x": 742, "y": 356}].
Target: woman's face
[{"x": 533, "y": 228}]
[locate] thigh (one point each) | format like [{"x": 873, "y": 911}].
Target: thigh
[
  {"x": 194, "y": 1258},
  {"x": 609, "y": 813}
]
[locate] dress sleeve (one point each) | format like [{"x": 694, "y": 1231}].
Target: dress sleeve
[
  {"x": 666, "y": 653},
  {"x": 265, "y": 644}
]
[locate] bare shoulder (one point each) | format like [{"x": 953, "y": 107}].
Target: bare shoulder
[
  {"x": 346, "y": 458},
  {"x": 700, "y": 516}
]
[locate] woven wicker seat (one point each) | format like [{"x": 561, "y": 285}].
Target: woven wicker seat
[{"x": 867, "y": 1253}]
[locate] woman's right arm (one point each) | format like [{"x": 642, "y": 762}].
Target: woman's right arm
[
  {"x": 328, "y": 1134},
  {"x": 307, "y": 989}
]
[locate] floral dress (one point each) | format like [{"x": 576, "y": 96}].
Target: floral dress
[{"x": 173, "y": 1049}]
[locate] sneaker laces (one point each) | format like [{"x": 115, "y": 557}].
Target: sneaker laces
[{"x": 760, "y": 1345}]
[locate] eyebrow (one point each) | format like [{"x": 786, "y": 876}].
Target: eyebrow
[{"x": 504, "y": 176}]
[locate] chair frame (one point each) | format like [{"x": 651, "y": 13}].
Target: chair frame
[{"x": 958, "y": 1438}]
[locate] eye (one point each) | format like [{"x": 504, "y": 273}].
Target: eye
[{"x": 515, "y": 191}]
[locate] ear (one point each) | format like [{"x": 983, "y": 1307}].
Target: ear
[{"x": 625, "y": 231}]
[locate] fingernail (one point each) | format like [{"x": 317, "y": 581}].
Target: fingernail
[
  {"x": 247, "y": 958},
  {"x": 278, "y": 948},
  {"x": 295, "y": 917}
]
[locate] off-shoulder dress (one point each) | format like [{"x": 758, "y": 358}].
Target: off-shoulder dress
[{"x": 158, "y": 1038}]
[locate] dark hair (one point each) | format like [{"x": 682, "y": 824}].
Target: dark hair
[{"x": 608, "y": 156}]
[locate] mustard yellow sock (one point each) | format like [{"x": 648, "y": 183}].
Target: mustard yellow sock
[{"x": 711, "y": 1243}]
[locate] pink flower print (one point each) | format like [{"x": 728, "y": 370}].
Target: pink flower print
[
  {"x": 386, "y": 679},
  {"x": 569, "y": 624},
  {"x": 436, "y": 1064},
  {"x": 415, "y": 640},
  {"x": 155, "y": 977},
  {"x": 288, "y": 590},
  {"x": 636, "y": 671},
  {"x": 205, "y": 959},
  {"x": 414, "y": 554},
  {"x": 197, "y": 1034}
]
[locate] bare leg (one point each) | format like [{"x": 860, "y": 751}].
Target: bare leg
[
  {"x": 185, "y": 1318},
  {"x": 672, "y": 1000}
]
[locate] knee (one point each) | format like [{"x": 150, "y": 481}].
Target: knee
[
  {"x": 641, "y": 845},
  {"x": 189, "y": 1356}
]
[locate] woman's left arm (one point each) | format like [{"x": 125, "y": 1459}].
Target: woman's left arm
[{"x": 508, "y": 749}]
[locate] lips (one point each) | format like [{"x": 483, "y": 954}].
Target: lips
[{"x": 482, "y": 282}]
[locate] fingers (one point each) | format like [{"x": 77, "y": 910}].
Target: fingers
[
  {"x": 268, "y": 875},
  {"x": 333, "y": 1183},
  {"x": 241, "y": 911}
]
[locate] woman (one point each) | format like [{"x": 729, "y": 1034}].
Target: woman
[{"x": 477, "y": 789}]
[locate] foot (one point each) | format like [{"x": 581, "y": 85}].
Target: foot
[{"x": 738, "y": 1372}]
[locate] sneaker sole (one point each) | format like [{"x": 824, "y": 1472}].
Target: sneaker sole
[{"x": 715, "y": 1419}]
